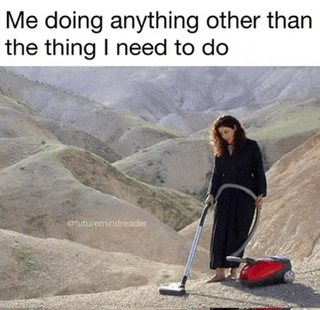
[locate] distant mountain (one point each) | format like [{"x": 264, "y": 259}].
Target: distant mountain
[
  {"x": 124, "y": 132},
  {"x": 155, "y": 153},
  {"x": 186, "y": 163},
  {"x": 165, "y": 94},
  {"x": 183, "y": 164},
  {"x": 23, "y": 131}
]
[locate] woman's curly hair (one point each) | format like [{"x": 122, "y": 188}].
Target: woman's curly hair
[{"x": 219, "y": 145}]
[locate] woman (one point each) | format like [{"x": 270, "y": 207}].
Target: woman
[{"x": 238, "y": 160}]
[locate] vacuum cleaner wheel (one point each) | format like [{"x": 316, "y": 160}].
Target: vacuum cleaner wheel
[{"x": 288, "y": 277}]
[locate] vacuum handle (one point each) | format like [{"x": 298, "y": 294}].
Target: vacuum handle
[{"x": 204, "y": 213}]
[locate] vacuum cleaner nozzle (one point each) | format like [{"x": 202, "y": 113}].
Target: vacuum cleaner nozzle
[{"x": 175, "y": 289}]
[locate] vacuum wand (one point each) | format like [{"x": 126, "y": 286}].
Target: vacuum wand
[
  {"x": 195, "y": 242},
  {"x": 178, "y": 289}
]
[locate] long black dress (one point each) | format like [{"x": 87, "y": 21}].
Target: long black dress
[{"x": 235, "y": 209}]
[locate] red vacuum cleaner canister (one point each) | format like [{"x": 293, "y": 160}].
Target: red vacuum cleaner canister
[{"x": 273, "y": 270}]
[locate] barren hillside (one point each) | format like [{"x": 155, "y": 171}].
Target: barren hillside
[
  {"x": 186, "y": 163},
  {"x": 124, "y": 132},
  {"x": 38, "y": 267},
  {"x": 175, "y": 95},
  {"x": 183, "y": 164},
  {"x": 40, "y": 196},
  {"x": 46, "y": 184},
  {"x": 291, "y": 216}
]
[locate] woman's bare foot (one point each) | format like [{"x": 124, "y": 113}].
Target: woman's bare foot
[
  {"x": 231, "y": 277},
  {"x": 233, "y": 274},
  {"x": 217, "y": 278}
]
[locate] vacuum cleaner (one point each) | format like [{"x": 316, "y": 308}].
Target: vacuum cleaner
[
  {"x": 254, "y": 273},
  {"x": 262, "y": 272}
]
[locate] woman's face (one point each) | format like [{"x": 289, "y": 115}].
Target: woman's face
[{"x": 227, "y": 133}]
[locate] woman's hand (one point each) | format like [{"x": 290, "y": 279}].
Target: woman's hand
[
  {"x": 258, "y": 202},
  {"x": 210, "y": 200}
]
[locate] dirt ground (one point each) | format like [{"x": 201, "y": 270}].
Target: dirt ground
[{"x": 303, "y": 293}]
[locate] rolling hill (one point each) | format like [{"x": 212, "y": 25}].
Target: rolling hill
[
  {"x": 184, "y": 98},
  {"x": 186, "y": 163},
  {"x": 124, "y": 132},
  {"x": 37, "y": 267}
]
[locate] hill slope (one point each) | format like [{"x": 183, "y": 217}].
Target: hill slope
[
  {"x": 183, "y": 98},
  {"x": 36, "y": 267},
  {"x": 125, "y": 132},
  {"x": 292, "y": 206},
  {"x": 182, "y": 164},
  {"x": 186, "y": 163},
  {"x": 40, "y": 196}
]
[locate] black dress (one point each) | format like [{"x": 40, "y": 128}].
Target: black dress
[{"x": 235, "y": 209}]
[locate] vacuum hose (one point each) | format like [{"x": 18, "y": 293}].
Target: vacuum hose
[{"x": 256, "y": 218}]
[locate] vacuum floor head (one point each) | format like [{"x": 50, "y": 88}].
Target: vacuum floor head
[{"x": 175, "y": 289}]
